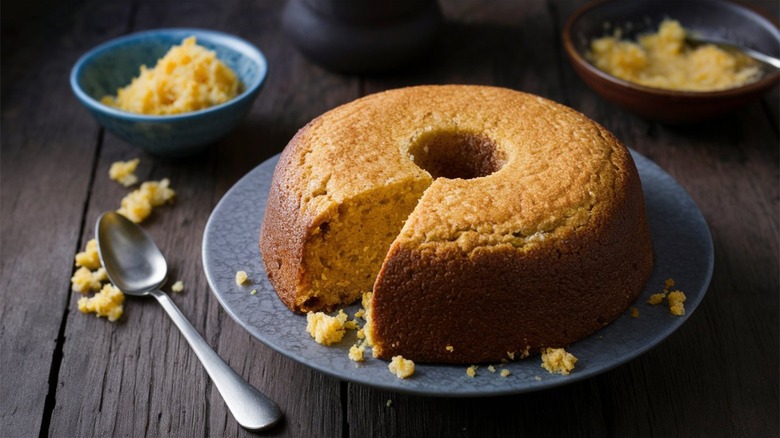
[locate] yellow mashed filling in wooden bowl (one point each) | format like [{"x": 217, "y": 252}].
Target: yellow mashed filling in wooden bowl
[
  {"x": 188, "y": 78},
  {"x": 663, "y": 60}
]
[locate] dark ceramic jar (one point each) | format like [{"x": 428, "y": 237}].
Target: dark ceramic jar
[{"x": 361, "y": 35}]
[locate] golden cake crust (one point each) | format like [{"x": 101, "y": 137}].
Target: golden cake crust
[{"x": 529, "y": 232}]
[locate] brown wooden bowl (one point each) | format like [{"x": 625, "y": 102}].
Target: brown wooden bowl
[{"x": 708, "y": 18}]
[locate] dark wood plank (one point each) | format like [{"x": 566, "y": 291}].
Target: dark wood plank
[{"x": 48, "y": 149}]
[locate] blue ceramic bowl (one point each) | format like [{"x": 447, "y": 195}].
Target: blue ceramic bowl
[{"x": 114, "y": 64}]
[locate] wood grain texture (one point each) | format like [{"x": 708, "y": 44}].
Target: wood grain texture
[
  {"x": 48, "y": 149},
  {"x": 68, "y": 374}
]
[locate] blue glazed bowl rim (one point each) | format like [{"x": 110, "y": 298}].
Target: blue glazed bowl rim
[{"x": 247, "y": 49}]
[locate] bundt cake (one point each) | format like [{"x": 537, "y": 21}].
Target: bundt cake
[{"x": 489, "y": 223}]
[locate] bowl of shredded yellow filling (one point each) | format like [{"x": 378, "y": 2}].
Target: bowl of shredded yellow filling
[
  {"x": 173, "y": 92},
  {"x": 638, "y": 54}
]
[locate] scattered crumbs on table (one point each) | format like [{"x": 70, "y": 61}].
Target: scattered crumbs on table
[
  {"x": 123, "y": 172},
  {"x": 505, "y": 373},
  {"x": 254, "y": 292},
  {"x": 178, "y": 286},
  {"x": 634, "y": 312},
  {"x": 471, "y": 371},
  {"x": 389, "y": 402},
  {"x": 138, "y": 204}
]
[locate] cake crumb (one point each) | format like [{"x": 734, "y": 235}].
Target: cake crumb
[
  {"x": 241, "y": 277},
  {"x": 366, "y": 330},
  {"x": 89, "y": 258},
  {"x": 254, "y": 292},
  {"x": 326, "y": 329},
  {"x": 360, "y": 313},
  {"x": 634, "y": 312},
  {"x": 471, "y": 371},
  {"x": 558, "y": 360},
  {"x": 491, "y": 368},
  {"x": 356, "y": 353},
  {"x": 108, "y": 302},
  {"x": 348, "y": 324},
  {"x": 389, "y": 402},
  {"x": 656, "y": 298},
  {"x": 449, "y": 348},
  {"x": 84, "y": 280},
  {"x": 123, "y": 172},
  {"x": 676, "y": 300},
  {"x": 178, "y": 286},
  {"x": 189, "y": 77},
  {"x": 510, "y": 355},
  {"x": 401, "y": 367},
  {"x": 538, "y": 378},
  {"x": 505, "y": 373},
  {"x": 138, "y": 204},
  {"x": 365, "y": 300}
]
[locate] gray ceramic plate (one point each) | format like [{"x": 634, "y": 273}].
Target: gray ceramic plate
[{"x": 683, "y": 251}]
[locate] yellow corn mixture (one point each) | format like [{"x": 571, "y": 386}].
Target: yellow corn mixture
[
  {"x": 663, "y": 60},
  {"x": 188, "y": 78}
]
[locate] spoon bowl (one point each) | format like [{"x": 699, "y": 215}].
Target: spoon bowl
[
  {"x": 132, "y": 260},
  {"x": 137, "y": 267}
]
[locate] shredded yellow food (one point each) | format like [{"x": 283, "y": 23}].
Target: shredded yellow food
[
  {"x": 188, "y": 78},
  {"x": 108, "y": 302},
  {"x": 663, "y": 60},
  {"x": 137, "y": 205},
  {"x": 89, "y": 258}
]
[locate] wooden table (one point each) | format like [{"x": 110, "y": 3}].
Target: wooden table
[{"x": 68, "y": 374}]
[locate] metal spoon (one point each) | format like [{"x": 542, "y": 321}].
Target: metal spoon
[
  {"x": 698, "y": 40},
  {"x": 137, "y": 267}
]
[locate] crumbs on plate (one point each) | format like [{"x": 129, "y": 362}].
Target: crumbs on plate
[{"x": 675, "y": 298}]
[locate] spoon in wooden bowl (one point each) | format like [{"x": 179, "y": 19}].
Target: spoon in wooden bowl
[{"x": 137, "y": 267}]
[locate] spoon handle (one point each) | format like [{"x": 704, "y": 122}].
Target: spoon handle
[{"x": 250, "y": 407}]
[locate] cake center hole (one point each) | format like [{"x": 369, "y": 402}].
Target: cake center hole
[{"x": 457, "y": 155}]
